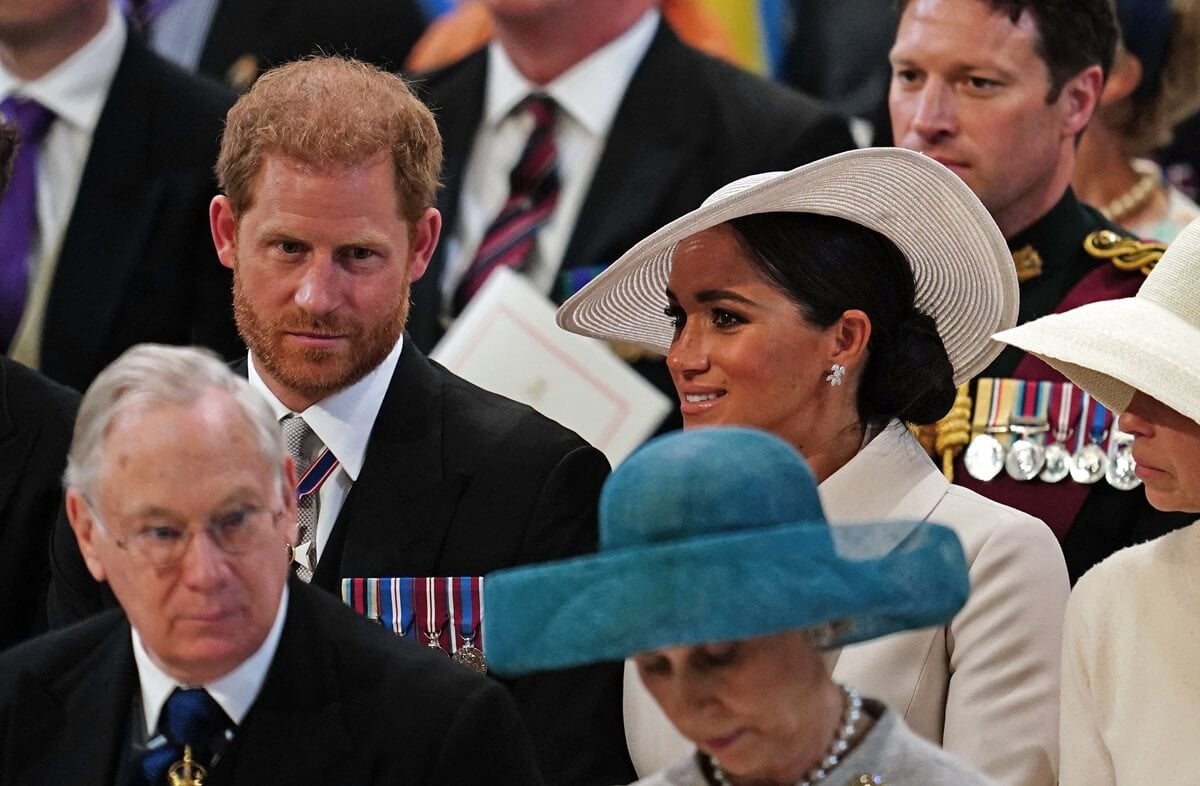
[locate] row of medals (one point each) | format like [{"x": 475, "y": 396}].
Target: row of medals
[{"x": 1027, "y": 459}]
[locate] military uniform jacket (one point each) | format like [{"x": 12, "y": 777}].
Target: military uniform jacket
[{"x": 1091, "y": 521}]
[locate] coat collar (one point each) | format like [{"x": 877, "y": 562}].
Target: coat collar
[{"x": 890, "y": 478}]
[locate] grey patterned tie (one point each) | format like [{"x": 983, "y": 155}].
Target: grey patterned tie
[{"x": 303, "y": 444}]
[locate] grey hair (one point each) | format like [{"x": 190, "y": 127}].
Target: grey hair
[{"x": 148, "y": 376}]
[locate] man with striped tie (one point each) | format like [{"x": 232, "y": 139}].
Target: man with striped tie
[{"x": 328, "y": 169}]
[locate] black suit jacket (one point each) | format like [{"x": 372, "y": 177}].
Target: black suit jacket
[
  {"x": 36, "y": 418},
  {"x": 343, "y": 702},
  {"x": 270, "y": 32},
  {"x": 458, "y": 481},
  {"x": 137, "y": 260},
  {"x": 687, "y": 125}
]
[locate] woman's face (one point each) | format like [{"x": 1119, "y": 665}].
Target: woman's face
[
  {"x": 1166, "y": 447},
  {"x": 743, "y": 354},
  {"x": 761, "y": 706}
]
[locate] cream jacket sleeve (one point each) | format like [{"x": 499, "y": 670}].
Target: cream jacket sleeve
[{"x": 1085, "y": 757}]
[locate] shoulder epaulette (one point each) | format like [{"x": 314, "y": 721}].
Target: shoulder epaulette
[{"x": 1126, "y": 253}]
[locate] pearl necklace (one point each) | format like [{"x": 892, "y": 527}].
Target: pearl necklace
[
  {"x": 1132, "y": 200},
  {"x": 851, "y": 715}
]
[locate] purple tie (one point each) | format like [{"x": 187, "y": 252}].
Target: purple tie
[{"x": 18, "y": 211}]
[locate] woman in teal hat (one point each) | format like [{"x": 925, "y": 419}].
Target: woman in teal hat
[{"x": 719, "y": 574}]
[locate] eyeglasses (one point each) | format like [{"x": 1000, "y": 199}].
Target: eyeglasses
[{"x": 163, "y": 544}]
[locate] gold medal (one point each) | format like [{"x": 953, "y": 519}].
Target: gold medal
[{"x": 186, "y": 772}]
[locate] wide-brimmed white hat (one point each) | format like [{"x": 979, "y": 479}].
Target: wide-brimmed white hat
[
  {"x": 1150, "y": 342},
  {"x": 964, "y": 273}
]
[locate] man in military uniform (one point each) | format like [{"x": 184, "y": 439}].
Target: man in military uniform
[{"x": 998, "y": 91}]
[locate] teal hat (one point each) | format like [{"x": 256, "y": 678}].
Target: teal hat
[{"x": 718, "y": 534}]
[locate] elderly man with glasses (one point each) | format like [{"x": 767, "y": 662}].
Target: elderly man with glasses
[{"x": 217, "y": 668}]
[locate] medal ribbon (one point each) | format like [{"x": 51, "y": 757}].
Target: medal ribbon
[
  {"x": 1062, "y": 426},
  {"x": 317, "y": 474},
  {"x": 1081, "y": 433},
  {"x": 1099, "y": 422},
  {"x": 430, "y": 604},
  {"x": 1009, "y": 391},
  {"x": 985, "y": 403},
  {"x": 1037, "y": 408},
  {"x": 466, "y": 596}
]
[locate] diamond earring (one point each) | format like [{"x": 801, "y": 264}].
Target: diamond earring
[{"x": 834, "y": 378}]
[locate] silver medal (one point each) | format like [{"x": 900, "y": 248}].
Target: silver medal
[
  {"x": 1057, "y": 464},
  {"x": 1089, "y": 464},
  {"x": 1025, "y": 459},
  {"x": 470, "y": 656},
  {"x": 1121, "y": 466},
  {"x": 984, "y": 458}
]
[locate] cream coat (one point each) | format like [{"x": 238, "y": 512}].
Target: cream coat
[{"x": 986, "y": 686}]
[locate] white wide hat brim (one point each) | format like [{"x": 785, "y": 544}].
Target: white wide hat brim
[
  {"x": 964, "y": 274},
  {"x": 1116, "y": 347}
]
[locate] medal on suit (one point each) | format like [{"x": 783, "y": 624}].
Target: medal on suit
[
  {"x": 1026, "y": 457},
  {"x": 984, "y": 458},
  {"x": 1058, "y": 457},
  {"x": 186, "y": 772},
  {"x": 1121, "y": 465},
  {"x": 466, "y": 600},
  {"x": 1090, "y": 461}
]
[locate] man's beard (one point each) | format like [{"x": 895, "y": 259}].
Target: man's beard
[{"x": 314, "y": 373}]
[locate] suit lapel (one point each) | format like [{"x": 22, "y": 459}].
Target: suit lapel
[
  {"x": 232, "y": 23},
  {"x": 299, "y": 704},
  {"x": 13, "y": 445},
  {"x": 891, "y": 478},
  {"x": 647, "y": 147},
  {"x": 102, "y": 246},
  {"x": 458, "y": 118},
  {"x": 81, "y": 717},
  {"x": 397, "y": 515}
]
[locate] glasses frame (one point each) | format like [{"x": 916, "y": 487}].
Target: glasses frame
[{"x": 139, "y": 555}]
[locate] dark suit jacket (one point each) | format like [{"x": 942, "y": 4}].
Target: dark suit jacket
[
  {"x": 343, "y": 702},
  {"x": 458, "y": 481},
  {"x": 271, "y": 32},
  {"x": 137, "y": 261},
  {"x": 687, "y": 125},
  {"x": 36, "y": 418}
]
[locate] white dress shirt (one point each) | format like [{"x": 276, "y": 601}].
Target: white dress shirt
[
  {"x": 343, "y": 422},
  {"x": 235, "y": 692},
  {"x": 76, "y": 91},
  {"x": 588, "y": 96}
]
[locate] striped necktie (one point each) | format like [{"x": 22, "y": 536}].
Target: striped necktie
[
  {"x": 533, "y": 187},
  {"x": 299, "y": 439}
]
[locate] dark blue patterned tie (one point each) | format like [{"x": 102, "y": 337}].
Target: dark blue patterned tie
[{"x": 190, "y": 717}]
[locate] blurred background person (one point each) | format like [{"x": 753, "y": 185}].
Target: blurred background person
[
  {"x": 719, "y": 574},
  {"x": 1130, "y": 693},
  {"x": 831, "y": 305},
  {"x": 233, "y": 41},
  {"x": 1154, "y": 84},
  {"x": 580, "y": 128},
  {"x": 103, "y": 237},
  {"x": 36, "y": 416}
]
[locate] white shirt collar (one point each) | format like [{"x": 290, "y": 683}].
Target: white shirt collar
[
  {"x": 235, "y": 692},
  {"x": 590, "y": 91},
  {"x": 342, "y": 421},
  {"x": 77, "y": 88}
]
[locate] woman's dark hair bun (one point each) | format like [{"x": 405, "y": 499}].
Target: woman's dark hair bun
[{"x": 908, "y": 375}]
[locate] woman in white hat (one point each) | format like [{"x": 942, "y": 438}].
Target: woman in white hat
[
  {"x": 831, "y": 305},
  {"x": 718, "y": 572},
  {"x": 1131, "y": 687}
]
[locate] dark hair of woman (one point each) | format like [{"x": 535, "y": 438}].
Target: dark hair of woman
[{"x": 828, "y": 265}]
